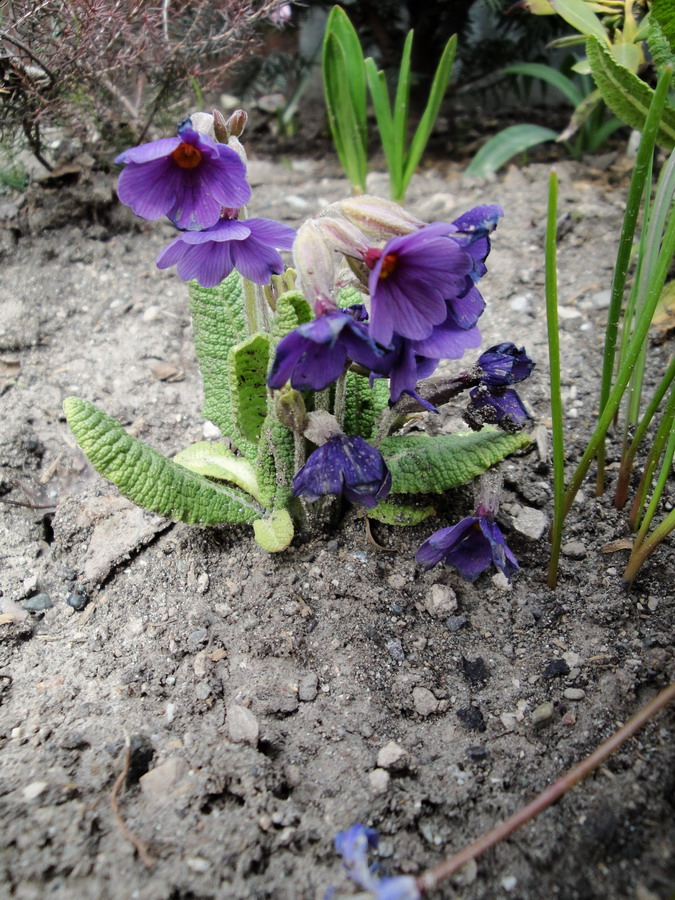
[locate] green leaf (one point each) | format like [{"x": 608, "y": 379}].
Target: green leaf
[
  {"x": 400, "y": 514},
  {"x": 428, "y": 120},
  {"x": 660, "y": 48},
  {"x": 377, "y": 84},
  {"x": 420, "y": 464},
  {"x": 577, "y": 14},
  {"x": 550, "y": 75},
  {"x": 274, "y": 533},
  {"x": 219, "y": 324},
  {"x": 292, "y": 310},
  {"x": 509, "y": 142},
  {"x": 627, "y": 55},
  {"x": 249, "y": 362},
  {"x": 217, "y": 461},
  {"x": 626, "y": 95},
  {"x": 150, "y": 479},
  {"x": 663, "y": 12},
  {"x": 400, "y": 111},
  {"x": 364, "y": 404}
]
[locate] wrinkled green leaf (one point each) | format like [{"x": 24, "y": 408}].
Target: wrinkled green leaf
[
  {"x": 663, "y": 13},
  {"x": 275, "y": 532},
  {"x": 503, "y": 146},
  {"x": 217, "y": 461},
  {"x": 150, "y": 479},
  {"x": 626, "y": 95},
  {"x": 292, "y": 310},
  {"x": 400, "y": 513},
  {"x": 420, "y": 464},
  {"x": 364, "y": 404},
  {"x": 249, "y": 362}
]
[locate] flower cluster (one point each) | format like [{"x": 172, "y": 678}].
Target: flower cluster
[{"x": 200, "y": 184}]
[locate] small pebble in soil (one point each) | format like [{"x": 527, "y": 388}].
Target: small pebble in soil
[
  {"x": 475, "y": 670},
  {"x": 395, "y": 649},
  {"x": 33, "y": 790},
  {"x": 542, "y": 714},
  {"x": 574, "y": 550},
  {"x": 308, "y": 687},
  {"x": 196, "y": 639},
  {"x": 472, "y": 718},
  {"x": 424, "y": 701},
  {"x": 379, "y": 781},
  {"x": 38, "y": 603},
  {"x": 197, "y": 864},
  {"x": 456, "y": 623},
  {"x": 441, "y": 600},
  {"x": 391, "y": 755},
  {"x": 397, "y": 582},
  {"x": 574, "y": 693},
  {"x": 530, "y": 522},
  {"x": 76, "y": 601},
  {"x": 242, "y": 725},
  {"x": 555, "y": 668},
  {"x": 478, "y": 753}
]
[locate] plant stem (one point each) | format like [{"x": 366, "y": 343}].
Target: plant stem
[
  {"x": 433, "y": 877},
  {"x": 554, "y": 365},
  {"x": 665, "y": 437},
  {"x": 647, "y": 547},
  {"x": 635, "y": 192}
]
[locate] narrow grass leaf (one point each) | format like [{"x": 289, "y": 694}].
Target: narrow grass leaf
[{"x": 507, "y": 144}]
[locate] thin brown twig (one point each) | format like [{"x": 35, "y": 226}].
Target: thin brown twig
[
  {"x": 432, "y": 878},
  {"x": 139, "y": 845}
]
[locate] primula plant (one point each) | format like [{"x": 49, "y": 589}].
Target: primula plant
[{"x": 310, "y": 377}]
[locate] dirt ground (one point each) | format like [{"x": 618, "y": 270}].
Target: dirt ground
[{"x": 271, "y": 701}]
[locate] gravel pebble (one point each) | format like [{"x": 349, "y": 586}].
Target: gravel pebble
[
  {"x": 38, "y": 603},
  {"x": 441, "y": 600},
  {"x": 530, "y": 522},
  {"x": 574, "y": 550},
  {"x": 424, "y": 701},
  {"x": 379, "y": 781},
  {"x": 242, "y": 725},
  {"x": 574, "y": 693},
  {"x": 308, "y": 687},
  {"x": 397, "y": 582},
  {"x": 395, "y": 650},
  {"x": 542, "y": 714},
  {"x": 389, "y": 755}
]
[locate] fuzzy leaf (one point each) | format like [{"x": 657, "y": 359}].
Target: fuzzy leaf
[
  {"x": 364, "y": 404},
  {"x": 663, "y": 13},
  {"x": 292, "y": 310},
  {"x": 420, "y": 464},
  {"x": 400, "y": 514},
  {"x": 217, "y": 461},
  {"x": 626, "y": 95},
  {"x": 660, "y": 49},
  {"x": 248, "y": 364},
  {"x": 274, "y": 533},
  {"x": 219, "y": 324},
  {"x": 150, "y": 479}
]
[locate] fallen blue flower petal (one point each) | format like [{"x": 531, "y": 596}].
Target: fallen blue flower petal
[
  {"x": 470, "y": 546},
  {"x": 504, "y": 364},
  {"x": 348, "y": 466}
]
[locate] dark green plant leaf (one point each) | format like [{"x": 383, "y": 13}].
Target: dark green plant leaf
[
  {"x": 249, "y": 362},
  {"x": 400, "y": 513},
  {"x": 503, "y": 146},
  {"x": 663, "y": 13},
  {"x": 551, "y": 76},
  {"x": 420, "y": 464},
  {"x": 150, "y": 479}
]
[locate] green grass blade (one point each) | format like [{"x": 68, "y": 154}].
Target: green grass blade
[
  {"x": 426, "y": 124},
  {"x": 401, "y": 101},
  {"x": 551, "y": 76},
  {"x": 503, "y": 146},
  {"x": 379, "y": 93}
]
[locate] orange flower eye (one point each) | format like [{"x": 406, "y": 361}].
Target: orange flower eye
[
  {"x": 186, "y": 156},
  {"x": 389, "y": 263}
]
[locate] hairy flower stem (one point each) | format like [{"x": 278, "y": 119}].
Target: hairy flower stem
[
  {"x": 429, "y": 880},
  {"x": 628, "y": 457},
  {"x": 635, "y": 192},
  {"x": 556, "y": 398},
  {"x": 340, "y": 399}
]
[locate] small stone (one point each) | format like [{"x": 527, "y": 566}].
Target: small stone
[
  {"x": 424, "y": 701},
  {"x": 397, "y": 582},
  {"x": 242, "y": 725},
  {"x": 157, "y": 783},
  {"x": 509, "y": 882},
  {"x": 76, "y": 601},
  {"x": 389, "y": 755},
  {"x": 472, "y": 718},
  {"x": 602, "y": 299},
  {"x": 196, "y": 639},
  {"x": 556, "y": 668},
  {"x": 395, "y": 650},
  {"x": 203, "y": 583},
  {"x": 456, "y": 623},
  {"x": 501, "y": 582},
  {"x": 308, "y": 687},
  {"x": 152, "y": 313},
  {"x": 530, "y": 522},
  {"x": 478, "y": 753},
  {"x": 197, "y": 864},
  {"x": 32, "y": 791},
  {"x": 542, "y": 714},
  {"x": 379, "y": 781},
  {"x": 569, "y": 719},
  {"x": 441, "y": 600},
  {"x": 652, "y": 604},
  {"x": 38, "y": 603},
  {"x": 574, "y": 693},
  {"x": 574, "y": 550},
  {"x": 475, "y": 670},
  {"x": 202, "y": 690},
  {"x": 211, "y": 432},
  {"x": 521, "y": 303}
]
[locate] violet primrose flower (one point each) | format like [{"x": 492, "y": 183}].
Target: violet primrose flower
[
  {"x": 344, "y": 465},
  {"x": 504, "y": 364},
  {"x": 353, "y": 846},
  {"x": 188, "y": 178},
  {"x": 500, "y": 406},
  {"x": 250, "y": 246},
  {"x": 470, "y": 546},
  {"x": 315, "y": 354}
]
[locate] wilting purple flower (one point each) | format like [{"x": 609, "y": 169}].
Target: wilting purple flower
[
  {"x": 496, "y": 406},
  {"x": 470, "y": 546},
  {"x": 315, "y": 354},
  {"x": 504, "y": 364},
  {"x": 249, "y": 246},
  {"x": 344, "y": 465},
  {"x": 188, "y": 178},
  {"x": 353, "y": 846}
]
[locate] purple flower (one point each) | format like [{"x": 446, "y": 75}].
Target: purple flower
[
  {"x": 496, "y": 406},
  {"x": 353, "y": 846},
  {"x": 315, "y": 354},
  {"x": 344, "y": 465},
  {"x": 249, "y": 246},
  {"x": 470, "y": 546},
  {"x": 504, "y": 364},
  {"x": 188, "y": 178}
]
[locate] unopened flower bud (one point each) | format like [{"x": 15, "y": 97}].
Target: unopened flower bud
[
  {"x": 316, "y": 266},
  {"x": 237, "y": 122},
  {"x": 290, "y": 409},
  {"x": 379, "y": 218},
  {"x": 342, "y": 236},
  {"x": 220, "y": 126},
  {"x": 204, "y": 123}
]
